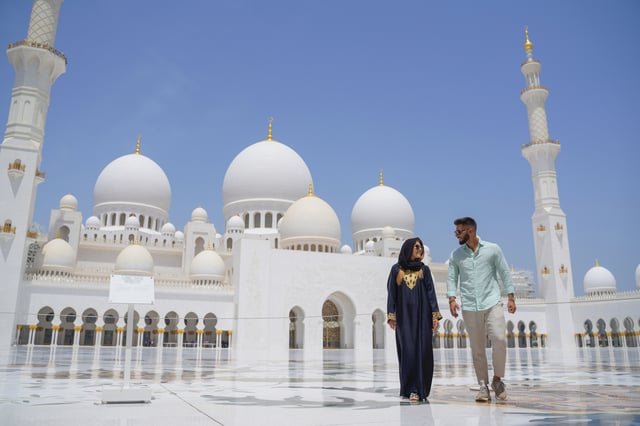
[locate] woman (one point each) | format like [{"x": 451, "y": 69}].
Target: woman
[{"x": 413, "y": 313}]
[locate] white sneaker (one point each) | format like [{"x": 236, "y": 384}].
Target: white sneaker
[{"x": 483, "y": 395}]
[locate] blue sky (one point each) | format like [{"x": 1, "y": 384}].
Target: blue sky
[{"x": 426, "y": 91}]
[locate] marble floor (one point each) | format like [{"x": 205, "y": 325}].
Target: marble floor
[{"x": 65, "y": 386}]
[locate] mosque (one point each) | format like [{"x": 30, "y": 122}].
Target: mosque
[{"x": 274, "y": 277}]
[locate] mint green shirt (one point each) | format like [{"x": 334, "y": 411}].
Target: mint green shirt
[{"x": 477, "y": 275}]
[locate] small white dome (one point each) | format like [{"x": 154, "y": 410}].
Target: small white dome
[
  {"x": 638, "y": 276},
  {"x": 58, "y": 256},
  {"x": 599, "y": 280},
  {"x": 207, "y": 265},
  {"x": 199, "y": 215},
  {"x": 134, "y": 260},
  {"x": 132, "y": 222},
  {"x": 93, "y": 222},
  {"x": 310, "y": 220},
  {"x": 69, "y": 202},
  {"x": 369, "y": 246},
  {"x": 235, "y": 222},
  {"x": 346, "y": 249},
  {"x": 379, "y": 207},
  {"x": 168, "y": 228},
  {"x": 179, "y": 236}
]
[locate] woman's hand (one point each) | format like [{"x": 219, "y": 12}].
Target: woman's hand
[
  {"x": 436, "y": 323},
  {"x": 392, "y": 324}
]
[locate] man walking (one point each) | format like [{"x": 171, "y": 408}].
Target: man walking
[{"x": 474, "y": 268}]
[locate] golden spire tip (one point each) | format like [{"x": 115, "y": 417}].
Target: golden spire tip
[
  {"x": 381, "y": 181},
  {"x": 270, "y": 131},
  {"x": 138, "y": 144}
]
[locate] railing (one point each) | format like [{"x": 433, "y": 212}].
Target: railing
[{"x": 39, "y": 46}]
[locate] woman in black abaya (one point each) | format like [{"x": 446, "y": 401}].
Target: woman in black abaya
[{"x": 412, "y": 311}]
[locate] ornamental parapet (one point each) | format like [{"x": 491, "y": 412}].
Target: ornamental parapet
[
  {"x": 37, "y": 45},
  {"x": 541, "y": 142},
  {"x": 625, "y": 295},
  {"x": 536, "y": 87}
]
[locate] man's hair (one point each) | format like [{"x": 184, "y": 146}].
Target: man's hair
[{"x": 466, "y": 221}]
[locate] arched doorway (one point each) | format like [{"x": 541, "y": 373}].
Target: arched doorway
[{"x": 330, "y": 326}]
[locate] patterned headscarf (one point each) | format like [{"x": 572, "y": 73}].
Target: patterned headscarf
[{"x": 404, "y": 258}]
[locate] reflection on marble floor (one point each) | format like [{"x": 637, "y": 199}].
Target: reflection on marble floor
[{"x": 63, "y": 385}]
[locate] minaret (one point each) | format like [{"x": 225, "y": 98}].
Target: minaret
[
  {"x": 549, "y": 223},
  {"x": 37, "y": 65}
]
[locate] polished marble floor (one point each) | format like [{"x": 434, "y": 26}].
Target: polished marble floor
[{"x": 64, "y": 386}]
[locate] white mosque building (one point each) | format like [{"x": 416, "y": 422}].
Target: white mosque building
[{"x": 274, "y": 277}]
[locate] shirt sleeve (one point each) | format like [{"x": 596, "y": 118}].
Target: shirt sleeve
[
  {"x": 452, "y": 277},
  {"x": 431, "y": 294},
  {"x": 392, "y": 290},
  {"x": 503, "y": 270}
]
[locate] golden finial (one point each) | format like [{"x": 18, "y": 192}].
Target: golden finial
[
  {"x": 270, "y": 131},
  {"x": 209, "y": 245},
  {"x": 138, "y": 144},
  {"x": 310, "y": 193},
  {"x": 597, "y": 264},
  {"x": 381, "y": 181},
  {"x": 527, "y": 43}
]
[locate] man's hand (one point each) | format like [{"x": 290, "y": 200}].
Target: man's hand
[
  {"x": 454, "y": 307},
  {"x": 511, "y": 306}
]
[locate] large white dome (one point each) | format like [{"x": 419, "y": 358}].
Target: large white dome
[
  {"x": 58, "y": 256},
  {"x": 132, "y": 179},
  {"x": 379, "y": 207},
  {"x": 134, "y": 260},
  {"x": 267, "y": 170},
  {"x": 599, "y": 280},
  {"x": 310, "y": 219}
]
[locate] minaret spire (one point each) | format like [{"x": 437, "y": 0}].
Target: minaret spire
[
  {"x": 553, "y": 260},
  {"x": 270, "y": 131},
  {"x": 138, "y": 144},
  {"x": 37, "y": 65},
  {"x": 381, "y": 183}
]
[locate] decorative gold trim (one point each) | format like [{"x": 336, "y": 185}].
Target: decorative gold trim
[
  {"x": 391, "y": 316},
  {"x": 436, "y": 315}
]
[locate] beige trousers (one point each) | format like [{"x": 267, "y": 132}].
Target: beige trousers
[{"x": 481, "y": 324}]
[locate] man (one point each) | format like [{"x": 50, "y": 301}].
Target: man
[{"x": 474, "y": 267}]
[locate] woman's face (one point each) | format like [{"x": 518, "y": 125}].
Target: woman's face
[{"x": 418, "y": 251}]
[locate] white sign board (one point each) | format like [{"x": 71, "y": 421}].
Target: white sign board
[{"x": 131, "y": 289}]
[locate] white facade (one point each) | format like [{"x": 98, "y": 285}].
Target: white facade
[{"x": 276, "y": 278}]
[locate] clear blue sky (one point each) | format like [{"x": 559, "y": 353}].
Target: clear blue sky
[{"x": 427, "y": 91}]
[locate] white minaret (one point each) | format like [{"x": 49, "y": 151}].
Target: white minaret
[
  {"x": 37, "y": 65},
  {"x": 549, "y": 222}
]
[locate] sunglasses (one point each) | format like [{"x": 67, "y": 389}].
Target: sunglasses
[
  {"x": 459, "y": 231},
  {"x": 418, "y": 246}
]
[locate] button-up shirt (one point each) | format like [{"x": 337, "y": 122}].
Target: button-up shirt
[{"x": 477, "y": 274}]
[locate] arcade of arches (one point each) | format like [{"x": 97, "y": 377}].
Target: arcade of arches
[{"x": 338, "y": 317}]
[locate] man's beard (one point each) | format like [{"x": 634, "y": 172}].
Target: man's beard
[{"x": 464, "y": 240}]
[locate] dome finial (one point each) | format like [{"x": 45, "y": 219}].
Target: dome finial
[
  {"x": 138, "y": 144},
  {"x": 270, "y": 131},
  {"x": 597, "y": 264},
  {"x": 310, "y": 193},
  {"x": 381, "y": 181},
  {"x": 528, "y": 46}
]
